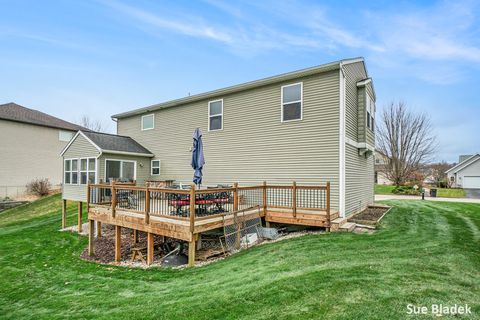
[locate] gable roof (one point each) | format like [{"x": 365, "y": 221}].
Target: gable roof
[
  {"x": 111, "y": 143},
  {"x": 14, "y": 112},
  {"x": 244, "y": 86},
  {"x": 464, "y": 163}
]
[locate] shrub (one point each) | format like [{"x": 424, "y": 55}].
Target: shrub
[
  {"x": 39, "y": 187},
  {"x": 406, "y": 190}
]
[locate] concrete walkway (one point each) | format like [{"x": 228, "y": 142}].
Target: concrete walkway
[{"x": 381, "y": 197}]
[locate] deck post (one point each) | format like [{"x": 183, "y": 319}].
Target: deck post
[
  {"x": 91, "y": 232},
  {"x": 114, "y": 198},
  {"x": 147, "y": 206},
  {"x": 150, "y": 248},
  {"x": 80, "y": 211},
  {"x": 264, "y": 198},
  {"x": 88, "y": 195},
  {"x": 192, "y": 210},
  {"x": 135, "y": 236},
  {"x": 235, "y": 196},
  {"x": 294, "y": 199},
  {"x": 191, "y": 253},
  {"x": 64, "y": 213},
  {"x": 118, "y": 243},
  {"x": 328, "y": 206},
  {"x": 99, "y": 229}
]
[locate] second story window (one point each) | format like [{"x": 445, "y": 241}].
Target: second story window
[
  {"x": 215, "y": 115},
  {"x": 155, "y": 168},
  {"x": 292, "y": 102},
  {"x": 148, "y": 122}
]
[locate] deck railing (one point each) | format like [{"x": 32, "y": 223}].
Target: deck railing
[{"x": 180, "y": 203}]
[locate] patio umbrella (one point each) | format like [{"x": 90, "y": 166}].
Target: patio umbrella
[{"x": 198, "y": 159}]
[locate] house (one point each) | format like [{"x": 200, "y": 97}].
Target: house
[
  {"x": 381, "y": 162},
  {"x": 466, "y": 174},
  {"x": 296, "y": 148},
  {"x": 313, "y": 125},
  {"x": 29, "y": 147}
]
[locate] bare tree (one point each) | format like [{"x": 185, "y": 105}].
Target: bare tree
[
  {"x": 94, "y": 125},
  {"x": 406, "y": 139},
  {"x": 439, "y": 174}
]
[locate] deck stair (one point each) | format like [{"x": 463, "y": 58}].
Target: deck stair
[
  {"x": 348, "y": 226},
  {"x": 341, "y": 224}
]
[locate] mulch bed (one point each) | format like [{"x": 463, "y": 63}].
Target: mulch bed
[
  {"x": 104, "y": 247},
  {"x": 370, "y": 216}
]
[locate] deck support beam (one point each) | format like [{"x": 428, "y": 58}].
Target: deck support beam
[
  {"x": 150, "y": 248},
  {"x": 135, "y": 236},
  {"x": 118, "y": 243},
  {"x": 91, "y": 232},
  {"x": 191, "y": 253},
  {"x": 99, "y": 229},
  {"x": 64, "y": 213},
  {"x": 80, "y": 211}
]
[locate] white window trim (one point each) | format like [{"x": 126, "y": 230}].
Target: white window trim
[
  {"x": 152, "y": 167},
  {"x": 370, "y": 108},
  {"x": 88, "y": 171},
  {"x": 153, "y": 122},
  {"x": 121, "y": 168},
  {"x": 70, "y": 133},
  {"x": 214, "y": 115},
  {"x": 282, "y": 103},
  {"x": 71, "y": 171}
]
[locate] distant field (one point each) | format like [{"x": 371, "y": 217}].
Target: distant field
[
  {"x": 441, "y": 192},
  {"x": 383, "y": 189}
]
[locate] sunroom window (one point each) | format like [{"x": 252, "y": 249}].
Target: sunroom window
[{"x": 292, "y": 102}]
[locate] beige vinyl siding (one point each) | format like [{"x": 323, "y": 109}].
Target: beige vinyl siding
[
  {"x": 362, "y": 115},
  {"x": 370, "y": 136},
  {"x": 80, "y": 148},
  {"x": 28, "y": 152},
  {"x": 354, "y": 72},
  {"x": 254, "y": 144},
  {"x": 142, "y": 166},
  {"x": 359, "y": 170},
  {"x": 359, "y": 180}
]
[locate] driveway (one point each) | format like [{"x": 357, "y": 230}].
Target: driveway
[{"x": 472, "y": 193}]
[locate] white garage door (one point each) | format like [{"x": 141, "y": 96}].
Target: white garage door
[{"x": 471, "y": 182}]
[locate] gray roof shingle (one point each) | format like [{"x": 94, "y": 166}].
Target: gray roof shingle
[
  {"x": 111, "y": 142},
  {"x": 14, "y": 112}
]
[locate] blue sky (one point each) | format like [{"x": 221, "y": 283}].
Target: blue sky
[{"x": 70, "y": 58}]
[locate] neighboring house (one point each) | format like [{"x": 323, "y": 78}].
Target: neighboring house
[
  {"x": 30, "y": 145},
  {"x": 381, "y": 162},
  {"x": 312, "y": 126},
  {"x": 466, "y": 174}
]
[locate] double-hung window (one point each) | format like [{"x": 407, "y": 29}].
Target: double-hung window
[
  {"x": 215, "y": 115},
  {"x": 148, "y": 122},
  {"x": 74, "y": 172},
  {"x": 292, "y": 102},
  {"x": 68, "y": 171},
  {"x": 155, "y": 167},
  {"x": 370, "y": 112}
]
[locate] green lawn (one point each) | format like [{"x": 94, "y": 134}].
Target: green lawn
[
  {"x": 424, "y": 253},
  {"x": 383, "y": 189},
  {"x": 450, "y": 193},
  {"x": 441, "y": 192}
]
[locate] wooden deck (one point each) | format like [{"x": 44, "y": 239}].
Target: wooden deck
[{"x": 185, "y": 214}]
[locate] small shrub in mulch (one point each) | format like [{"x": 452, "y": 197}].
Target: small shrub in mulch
[{"x": 369, "y": 216}]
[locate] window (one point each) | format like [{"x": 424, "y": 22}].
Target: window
[
  {"x": 74, "y": 179},
  {"x": 155, "y": 167},
  {"x": 370, "y": 107},
  {"x": 68, "y": 171},
  {"x": 215, "y": 115},
  {"x": 87, "y": 170},
  {"x": 148, "y": 122},
  {"x": 80, "y": 171},
  {"x": 368, "y": 119},
  {"x": 121, "y": 170},
  {"x": 65, "y": 136},
  {"x": 292, "y": 102}
]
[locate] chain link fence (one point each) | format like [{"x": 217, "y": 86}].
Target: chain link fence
[{"x": 242, "y": 231}]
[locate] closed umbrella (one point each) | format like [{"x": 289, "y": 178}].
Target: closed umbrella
[{"x": 198, "y": 159}]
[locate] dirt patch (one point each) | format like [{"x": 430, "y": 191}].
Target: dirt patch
[{"x": 370, "y": 216}]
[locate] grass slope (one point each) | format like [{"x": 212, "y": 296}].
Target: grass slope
[{"x": 424, "y": 253}]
